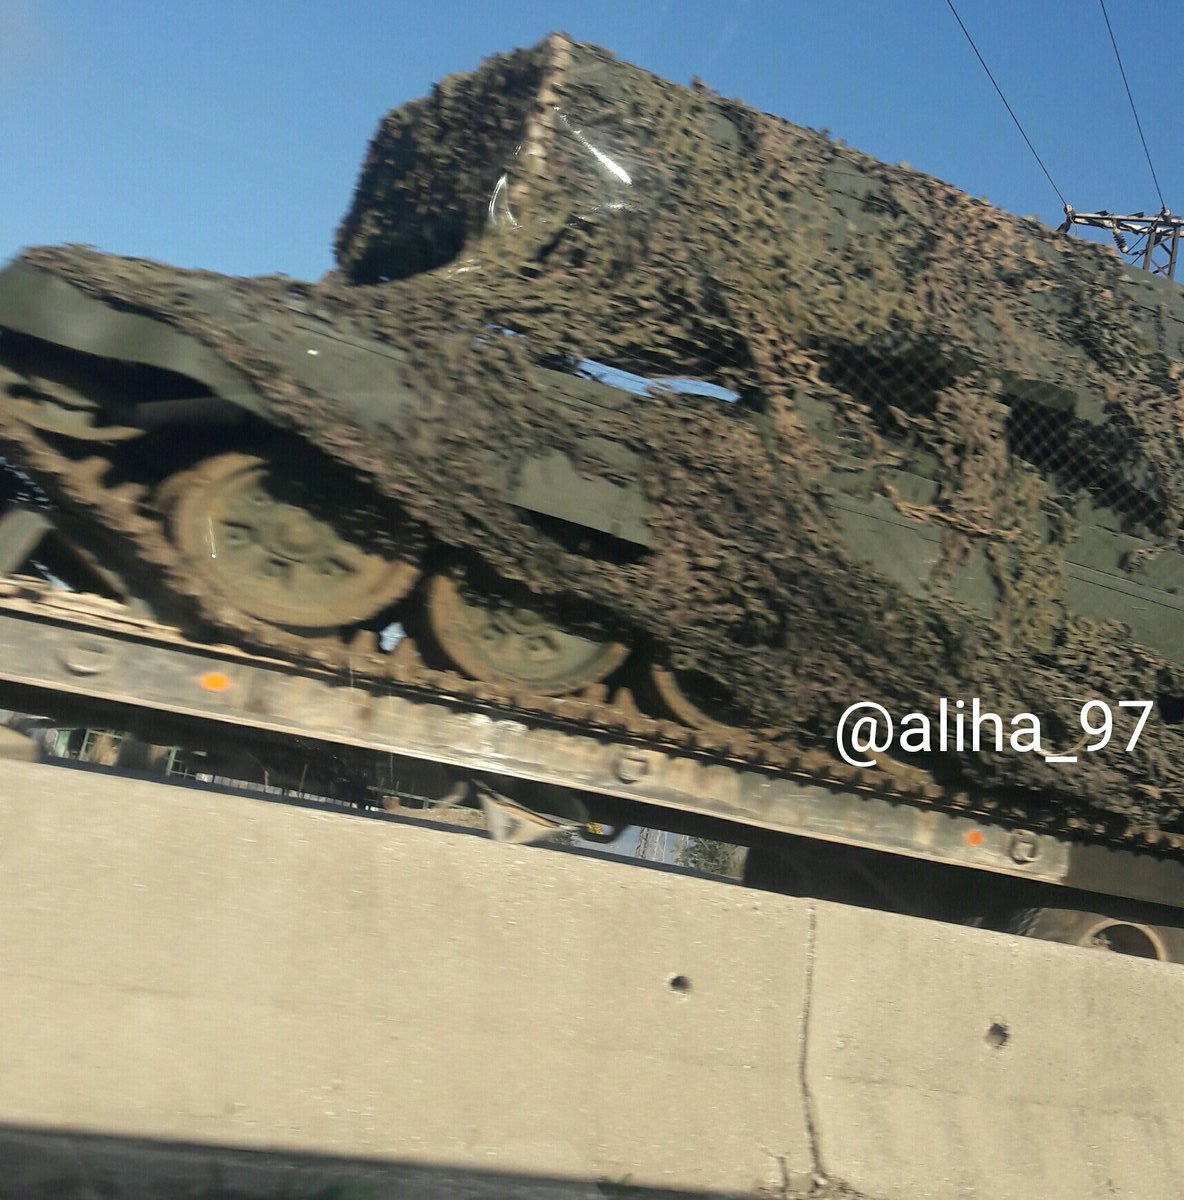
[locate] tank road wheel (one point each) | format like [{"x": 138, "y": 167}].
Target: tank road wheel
[
  {"x": 1091, "y": 930},
  {"x": 676, "y": 702},
  {"x": 695, "y": 700},
  {"x": 502, "y": 640},
  {"x": 254, "y": 533}
]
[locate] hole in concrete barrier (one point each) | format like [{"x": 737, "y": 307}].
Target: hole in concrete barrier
[
  {"x": 680, "y": 984},
  {"x": 997, "y": 1036}
]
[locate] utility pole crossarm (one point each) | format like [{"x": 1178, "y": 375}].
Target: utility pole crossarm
[{"x": 1158, "y": 248}]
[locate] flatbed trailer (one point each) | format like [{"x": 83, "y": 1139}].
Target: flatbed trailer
[{"x": 76, "y": 658}]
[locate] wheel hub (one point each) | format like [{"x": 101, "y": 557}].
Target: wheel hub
[{"x": 295, "y": 535}]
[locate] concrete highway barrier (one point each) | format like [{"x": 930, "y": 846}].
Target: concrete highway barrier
[{"x": 190, "y": 977}]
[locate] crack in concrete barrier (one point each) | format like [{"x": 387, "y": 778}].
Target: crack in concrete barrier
[
  {"x": 804, "y": 1047},
  {"x": 820, "y": 1186}
]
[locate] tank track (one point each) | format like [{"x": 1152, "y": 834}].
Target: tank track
[{"x": 82, "y": 484}]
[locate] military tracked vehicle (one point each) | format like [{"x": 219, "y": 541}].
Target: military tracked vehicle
[{"x": 633, "y": 407}]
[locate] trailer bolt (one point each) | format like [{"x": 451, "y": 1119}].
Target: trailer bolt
[
  {"x": 1024, "y": 847},
  {"x": 85, "y": 656},
  {"x": 632, "y": 767}
]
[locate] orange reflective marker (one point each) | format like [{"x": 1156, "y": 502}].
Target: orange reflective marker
[
  {"x": 974, "y": 837},
  {"x": 214, "y": 681}
]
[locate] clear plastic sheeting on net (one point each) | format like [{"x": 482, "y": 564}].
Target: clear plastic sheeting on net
[
  {"x": 606, "y": 174},
  {"x": 501, "y": 216}
]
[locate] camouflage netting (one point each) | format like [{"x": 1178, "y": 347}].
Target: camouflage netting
[{"x": 880, "y": 327}]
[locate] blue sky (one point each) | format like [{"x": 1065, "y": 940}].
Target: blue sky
[{"x": 228, "y": 134}]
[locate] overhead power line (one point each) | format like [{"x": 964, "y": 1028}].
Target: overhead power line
[
  {"x": 1010, "y": 110},
  {"x": 1134, "y": 111}
]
